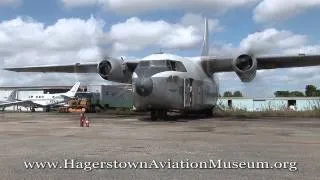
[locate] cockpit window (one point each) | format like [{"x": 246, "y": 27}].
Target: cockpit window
[
  {"x": 167, "y": 65},
  {"x": 144, "y": 63},
  {"x": 149, "y": 68},
  {"x": 158, "y": 63}
]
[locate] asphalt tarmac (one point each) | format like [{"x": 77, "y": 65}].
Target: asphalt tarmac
[{"x": 191, "y": 147}]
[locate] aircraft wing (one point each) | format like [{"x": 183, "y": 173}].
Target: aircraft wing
[
  {"x": 21, "y": 103},
  {"x": 212, "y": 64},
  {"x": 66, "y": 98},
  {"x": 72, "y": 68}
]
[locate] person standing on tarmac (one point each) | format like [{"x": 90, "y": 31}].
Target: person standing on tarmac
[{"x": 84, "y": 120}]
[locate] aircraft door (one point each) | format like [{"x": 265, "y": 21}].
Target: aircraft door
[{"x": 188, "y": 92}]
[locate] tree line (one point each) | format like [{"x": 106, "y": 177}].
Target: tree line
[
  {"x": 310, "y": 91},
  {"x": 234, "y": 94}
]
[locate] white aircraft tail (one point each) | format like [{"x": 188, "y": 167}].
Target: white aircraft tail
[
  {"x": 12, "y": 96},
  {"x": 72, "y": 92},
  {"x": 205, "y": 45}
]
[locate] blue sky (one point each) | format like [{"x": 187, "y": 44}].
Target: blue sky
[{"x": 267, "y": 26}]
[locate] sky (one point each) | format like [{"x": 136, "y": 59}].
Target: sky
[{"x": 43, "y": 32}]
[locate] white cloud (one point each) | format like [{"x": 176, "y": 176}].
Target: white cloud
[
  {"x": 80, "y": 3},
  {"x": 137, "y": 6},
  {"x": 24, "y": 41},
  {"x": 196, "y": 20},
  {"x": 274, "y": 10},
  {"x": 27, "y": 37},
  {"x": 266, "y": 42},
  {"x": 136, "y": 34},
  {"x": 272, "y": 41},
  {"x": 264, "y": 11}
]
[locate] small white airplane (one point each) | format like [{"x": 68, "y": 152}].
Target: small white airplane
[{"x": 40, "y": 99}]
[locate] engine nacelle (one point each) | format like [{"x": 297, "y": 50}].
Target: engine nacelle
[
  {"x": 113, "y": 70},
  {"x": 245, "y": 67}
]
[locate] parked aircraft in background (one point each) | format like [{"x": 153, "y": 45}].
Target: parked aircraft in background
[
  {"x": 166, "y": 82},
  {"x": 40, "y": 99},
  {"x": 11, "y": 99}
]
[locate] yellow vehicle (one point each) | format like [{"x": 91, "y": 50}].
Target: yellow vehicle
[{"x": 78, "y": 105}]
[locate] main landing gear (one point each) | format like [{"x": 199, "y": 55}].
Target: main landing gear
[{"x": 159, "y": 114}]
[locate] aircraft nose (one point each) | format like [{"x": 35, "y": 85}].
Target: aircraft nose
[{"x": 144, "y": 86}]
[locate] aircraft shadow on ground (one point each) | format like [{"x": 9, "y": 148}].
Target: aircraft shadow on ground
[{"x": 177, "y": 118}]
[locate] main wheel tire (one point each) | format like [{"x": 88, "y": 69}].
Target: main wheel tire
[
  {"x": 164, "y": 115},
  {"x": 153, "y": 115},
  {"x": 209, "y": 112}
]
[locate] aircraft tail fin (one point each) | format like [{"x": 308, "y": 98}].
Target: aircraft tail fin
[
  {"x": 205, "y": 45},
  {"x": 12, "y": 96},
  {"x": 72, "y": 92}
]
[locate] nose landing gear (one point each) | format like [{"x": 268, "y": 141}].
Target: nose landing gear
[{"x": 159, "y": 114}]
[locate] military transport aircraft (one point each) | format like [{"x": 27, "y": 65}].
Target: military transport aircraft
[{"x": 166, "y": 82}]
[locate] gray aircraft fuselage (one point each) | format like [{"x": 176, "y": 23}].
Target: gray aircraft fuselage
[{"x": 168, "y": 82}]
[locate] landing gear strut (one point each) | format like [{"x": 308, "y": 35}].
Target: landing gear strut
[{"x": 159, "y": 114}]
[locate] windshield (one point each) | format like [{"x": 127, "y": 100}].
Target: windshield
[
  {"x": 149, "y": 68},
  {"x": 169, "y": 65}
]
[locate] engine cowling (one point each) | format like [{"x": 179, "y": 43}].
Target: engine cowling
[
  {"x": 113, "y": 70},
  {"x": 245, "y": 67}
]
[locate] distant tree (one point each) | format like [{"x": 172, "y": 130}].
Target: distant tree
[
  {"x": 282, "y": 93},
  {"x": 227, "y": 94},
  {"x": 237, "y": 94},
  {"x": 311, "y": 90},
  {"x": 318, "y": 93},
  {"x": 296, "y": 94}
]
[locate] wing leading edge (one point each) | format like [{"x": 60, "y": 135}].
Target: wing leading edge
[
  {"x": 72, "y": 68},
  {"x": 22, "y": 103}
]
